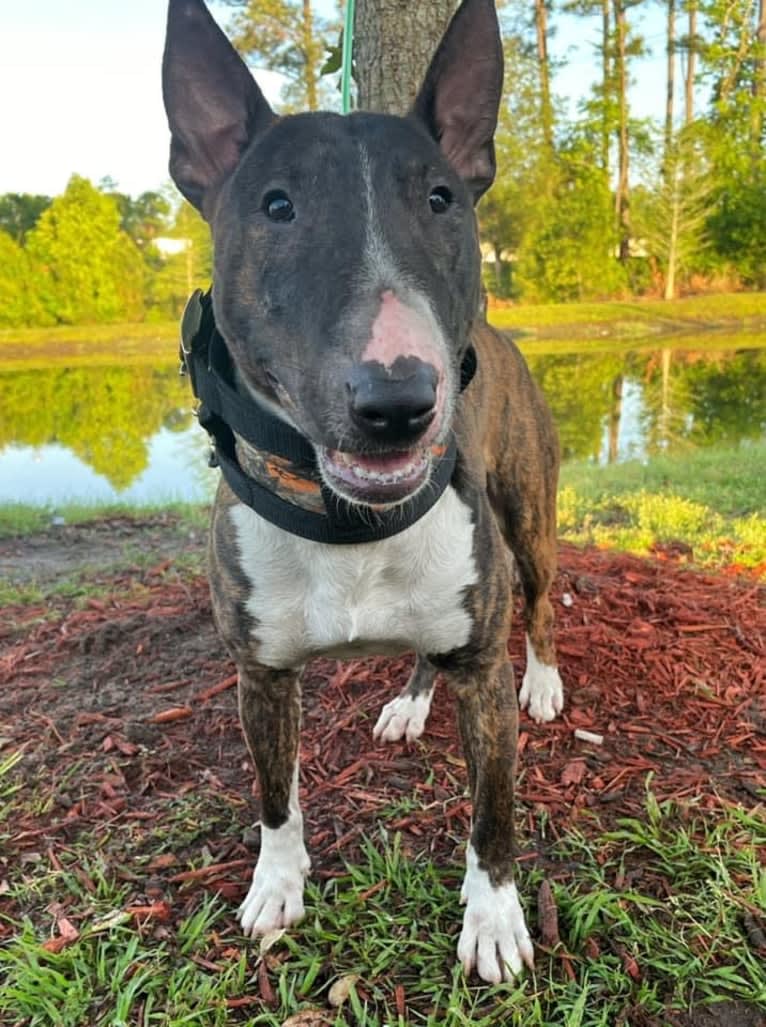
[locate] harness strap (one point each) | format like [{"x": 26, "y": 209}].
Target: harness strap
[{"x": 224, "y": 414}]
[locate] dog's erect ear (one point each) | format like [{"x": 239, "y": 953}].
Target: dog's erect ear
[
  {"x": 213, "y": 104},
  {"x": 460, "y": 97}
]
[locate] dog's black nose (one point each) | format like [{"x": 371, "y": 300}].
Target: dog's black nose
[{"x": 393, "y": 405}]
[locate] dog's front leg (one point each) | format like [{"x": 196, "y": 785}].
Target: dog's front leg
[
  {"x": 270, "y": 710},
  {"x": 494, "y": 939}
]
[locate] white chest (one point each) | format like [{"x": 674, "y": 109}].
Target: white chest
[{"x": 406, "y": 592}]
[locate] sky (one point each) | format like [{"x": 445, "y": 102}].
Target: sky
[{"x": 80, "y": 82}]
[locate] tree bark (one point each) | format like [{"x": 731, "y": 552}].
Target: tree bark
[
  {"x": 671, "y": 77},
  {"x": 546, "y": 109},
  {"x": 311, "y": 56},
  {"x": 675, "y": 213},
  {"x": 759, "y": 79},
  {"x": 615, "y": 416},
  {"x": 394, "y": 43},
  {"x": 691, "y": 62},
  {"x": 606, "y": 74},
  {"x": 622, "y": 198}
]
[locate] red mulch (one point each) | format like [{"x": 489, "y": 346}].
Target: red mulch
[{"x": 127, "y": 704}]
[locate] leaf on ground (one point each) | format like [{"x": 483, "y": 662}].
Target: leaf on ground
[
  {"x": 269, "y": 940},
  {"x": 155, "y": 911},
  {"x": 547, "y": 916},
  {"x": 341, "y": 989},
  {"x": 264, "y": 987},
  {"x": 630, "y": 966},
  {"x": 68, "y": 934},
  {"x": 307, "y": 1018}
]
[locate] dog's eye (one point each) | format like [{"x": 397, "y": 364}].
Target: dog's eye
[
  {"x": 440, "y": 199},
  {"x": 278, "y": 206}
]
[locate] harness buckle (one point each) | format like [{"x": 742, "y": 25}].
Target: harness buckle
[{"x": 192, "y": 340}]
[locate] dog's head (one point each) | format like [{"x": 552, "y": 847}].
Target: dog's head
[{"x": 346, "y": 251}]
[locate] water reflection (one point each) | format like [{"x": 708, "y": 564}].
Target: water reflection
[
  {"x": 616, "y": 406},
  {"x": 97, "y": 433}
]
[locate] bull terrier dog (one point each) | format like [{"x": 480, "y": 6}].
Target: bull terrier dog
[{"x": 390, "y": 467}]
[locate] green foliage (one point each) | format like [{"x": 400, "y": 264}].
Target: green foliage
[
  {"x": 19, "y": 213},
  {"x": 90, "y": 270},
  {"x": 178, "y": 274},
  {"x": 19, "y": 302},
  {"x": 287, "y": 36},
  {"x": 144, "y": 218},
  {"x": 737, "y": 226},
  {"x": 569, "y": 250},
  {"x": 670, "y": 216}
]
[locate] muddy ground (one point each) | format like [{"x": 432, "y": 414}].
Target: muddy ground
[{"x": 120, "y": 697}]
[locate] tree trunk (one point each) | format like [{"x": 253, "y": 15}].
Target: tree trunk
[
  {"x": 393, "y": 45},
  {"x": 671, "y": 77},
  {"x": 665, "y": 402},
  {"x": 675, "y": 213},
  {"x": 606, "y": 75},
  {"x": 691, "y": 62},
  {"x": 615, "y": 416},
  {"x": 543, "y": 66},
  {"x": 311, "y": 56},
  {"x": 622, "y": 198},
  {"x": 759, "y": 79}
]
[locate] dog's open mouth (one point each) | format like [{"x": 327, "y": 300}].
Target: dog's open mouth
[{"x": 376, "y": 479}]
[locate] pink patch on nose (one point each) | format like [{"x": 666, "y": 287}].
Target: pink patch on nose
[{"x": 400, "y": 331}]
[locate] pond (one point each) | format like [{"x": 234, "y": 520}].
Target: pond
[{"x": 127, "y": 434}]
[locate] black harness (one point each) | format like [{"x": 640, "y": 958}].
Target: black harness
[{"x": 224, "y": 413}]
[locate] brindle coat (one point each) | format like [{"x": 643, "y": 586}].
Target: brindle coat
[{"x": 296, "y": 313}]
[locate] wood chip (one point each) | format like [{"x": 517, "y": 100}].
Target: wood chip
[{"x": 588, "y": 736}]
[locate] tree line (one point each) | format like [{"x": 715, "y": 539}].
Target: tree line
[
  {"x": 94, "y": 254},
  {"x": 594, "y": 204},
  {"x": 601, "y": 203}
]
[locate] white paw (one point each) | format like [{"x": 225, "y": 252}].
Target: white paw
[
  {"x": 542, "y": 693},
  {"x": 403, "y": 717},
  {"x": 494, "y": 940},
  {"x": 275, "y": 898}
]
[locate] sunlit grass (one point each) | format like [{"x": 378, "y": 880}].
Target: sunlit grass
[
  {"x": 636, "y": 317},
  {"x": 711, "y": 500}
]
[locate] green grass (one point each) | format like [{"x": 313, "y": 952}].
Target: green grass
[
  {"x": 86, "y": 343},
  {"x": 679, "y": 926},
  {"x": 713, "y": 500},
  {"x": 89, "y": 345},
  {"x": 24, "y": 519},
  {"x": 635, "y": 317}
]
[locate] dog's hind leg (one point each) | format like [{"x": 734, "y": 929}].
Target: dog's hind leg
[
  {"x": 542, "y": 693},
  {"x": 529, "y": 528},
  {"x": 269, "y": 704},
  {"x": 405, "y": 716}
]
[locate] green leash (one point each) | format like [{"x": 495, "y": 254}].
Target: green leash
[{"x": 348, "y": 50}]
